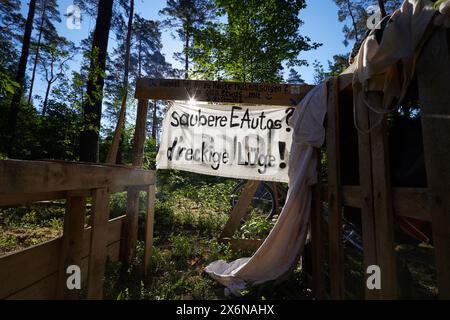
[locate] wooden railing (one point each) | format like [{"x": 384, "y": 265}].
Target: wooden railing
[{"x": 39, "y": 272}]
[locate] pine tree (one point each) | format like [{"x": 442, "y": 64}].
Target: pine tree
[
  {"x": 148, "y": 61},
  {"x": 55, "y": 56},
  {"x": 20, "y": 77},
  {"x": 112, "y": 154},
  {"x": 48, "y": 15},
  {"x": 294, "y": 77},
  {"x": 354, "y": 14},
  {"x": 187, "y": 16},
  {"x": 11, "y": 22},
  {"x": 92, "y": 107}
]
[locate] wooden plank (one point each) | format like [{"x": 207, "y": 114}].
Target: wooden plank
[
  {"x": 22, "y": 176},
  {"x": 98, "y": 244},
  {"x": 216, "y": 91},
  {"x": 433, "y": 72},
  {"x": 408, "y": 202},
  {"x": 128, "y": 249},
  {"x": 149, "y": 221},
  {"x": 26, "y": 199},
  {"x": 366, "y": 197},
  {"x": 317, "y": 243},
  {"x": 129, "y": 232},
  {"x": 245, "y": 244},
  {"x": 19, "y": 270},
  {"x": 10, "y": 200},
  {"x": 71, "y": 243},
  {"x": 114, "y": 234},
  {"x": 412, "y": 203},
  {"x": 22, "y": 269},
  {"x": 334, "y": 193},
  {"x": 383, "y": 209},
  {"x": 240, "y": 209},
  {"x": 113, "y": 253},
  {"x": 44, "y": 289}
]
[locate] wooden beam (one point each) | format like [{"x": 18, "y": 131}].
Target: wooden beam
[
  {"x": 383, "y": 209},
  {"x": 317, "y": 242},
  {"x": 22, "y": 176},
  {"x": 240, "y": 209},
  {"x": 71, "y": 244},
  {"x": 149, "y": 221},
  {"x": 26, "y": 199},
  {"x": 130, "y": 232},
  {"x": 245, "y": 244},
  {"x": 98, "y": 246},
  {"x": 433, "y": 73},
  {"x": 366, "y": 197},
  {"x": 216, "y": 91},
  {"x": 408, "y": 202},
  {"x": 335, "y": 193}
]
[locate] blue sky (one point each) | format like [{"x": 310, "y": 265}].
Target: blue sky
[{"x": 320, "y": 24}]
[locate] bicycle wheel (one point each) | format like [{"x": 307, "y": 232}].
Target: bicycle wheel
[{"x": 262, "y": 202}]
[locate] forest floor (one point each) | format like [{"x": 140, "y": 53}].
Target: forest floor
[{"x": 188, "y": 221}]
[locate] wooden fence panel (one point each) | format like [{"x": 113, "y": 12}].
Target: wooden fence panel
[
  {"x": 433, "y": 80},
  {"x": 98, "y": 247},
  {"x": 71, "y": 243},
  {"x": 335, "y": 194}
]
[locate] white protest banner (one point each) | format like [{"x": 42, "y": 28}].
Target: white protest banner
[{"x": 232, "y": 141}]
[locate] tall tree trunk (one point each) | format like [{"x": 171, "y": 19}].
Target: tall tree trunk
[
  {"x": 38, "y": 45},
  {"x": 47, "y": 93},
  {"x": 92, "y": 107},
  {"x": 382, "y": 8},
  {"x": 140, "y": 58},
  {"x": 186, "y": 53},
  {"x": 352, "y": 16},
  {"x": 154, "y": 120},
  {"x": 20, "y": 77},
  {"x": 112, "y": 153}
]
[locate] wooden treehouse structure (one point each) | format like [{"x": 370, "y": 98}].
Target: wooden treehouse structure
[{"x": 364, "y": 183}]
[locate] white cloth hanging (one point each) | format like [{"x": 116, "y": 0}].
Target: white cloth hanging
[{"x": 279, "y": 253}]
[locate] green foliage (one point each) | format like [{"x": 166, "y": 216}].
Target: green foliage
[
  {"x": 294, "y": 77},
  {"x": 33, "y": 216},
  {"x": 256, "y": 227},
  {"x": 258, "y": 37},
  {"x": 150, "y": 153},
  {"x": 51, "y": 137},
  {"x": 335, "y": 68},
  {"x": 353, "y": 13},
  {"x": 7, "y": 84},
  {"x": 187, "y": 17}
]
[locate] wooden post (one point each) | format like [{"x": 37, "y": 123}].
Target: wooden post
[
  {"x": 240, "y": 209},
  {"x": 71, "y": 244},
  {"x": 335, "y": 193},
  {"x": 128, "y": 246},
  {"x": 433, "y": 74},
  {"x": 317, "y": 240},
  {"x": 383, "y": 210},
  {"x": 149, "y": 227},
  {"x": 365, "y": 180},
  {"x": 98, "y": 245}
]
